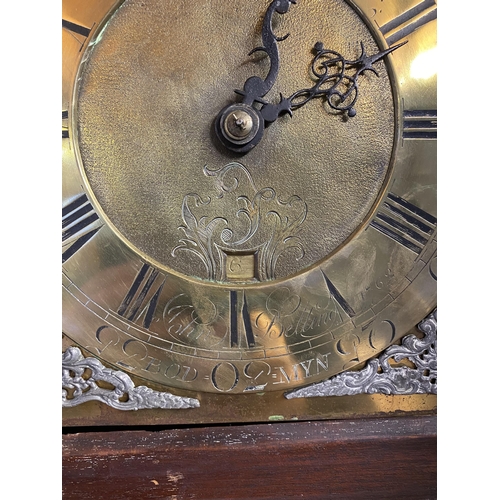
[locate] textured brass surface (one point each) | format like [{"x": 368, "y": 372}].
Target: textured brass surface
[
  {"x": 145, "y": 110},
  {"x": 196, "y": 268}
]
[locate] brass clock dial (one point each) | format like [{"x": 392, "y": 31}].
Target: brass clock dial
[{"x": 195, "y": 263}]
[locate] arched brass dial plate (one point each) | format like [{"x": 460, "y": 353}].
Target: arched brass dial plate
[{"x": 192, "y": 266}]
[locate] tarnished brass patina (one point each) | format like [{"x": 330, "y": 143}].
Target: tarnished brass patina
[{"x": 199, "y": 269}]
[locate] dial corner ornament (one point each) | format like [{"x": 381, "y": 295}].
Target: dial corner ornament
[{"x": 260, "y": 239}]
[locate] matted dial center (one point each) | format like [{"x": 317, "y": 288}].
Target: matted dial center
[{"x": 149, "y": 92}]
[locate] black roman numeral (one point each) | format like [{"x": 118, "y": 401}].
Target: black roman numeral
[
  {"x": 76, "y": 28},
  {"x": 134, "y": 305},
  {"x": 408, "y": 22},
  {"x": 419, "y": 124},
  {"x": 65, "y": 130},
  {"x": 233, "y": 320},
  {"x": 335, "y": 294},
  {"x": 78, "y": 225},
  {"x": 79, "y": 32},
  {"x": 405, "y": 223}
]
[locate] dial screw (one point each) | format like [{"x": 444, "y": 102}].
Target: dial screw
[
  {"x": 239, "y": 127},
  {"x": 238, "y": 124}
]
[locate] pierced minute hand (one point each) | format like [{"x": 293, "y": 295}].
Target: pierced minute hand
[
  {"x": 337, "y": 78},
  {"x": 240, "y": 126},
  {"x": 365, "y": 63}
]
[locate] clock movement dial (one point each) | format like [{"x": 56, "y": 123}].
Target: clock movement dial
[{"x": 197, "y": 262}]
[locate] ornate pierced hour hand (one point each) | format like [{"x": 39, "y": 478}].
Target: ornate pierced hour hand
[{"x": 240, "y": 126}]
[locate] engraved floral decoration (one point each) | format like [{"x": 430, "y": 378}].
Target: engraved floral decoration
[
  {"x": 380, "y": 377},
  {"x": 240, "y": 218},
  {"x": 79, "y": 387}
]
